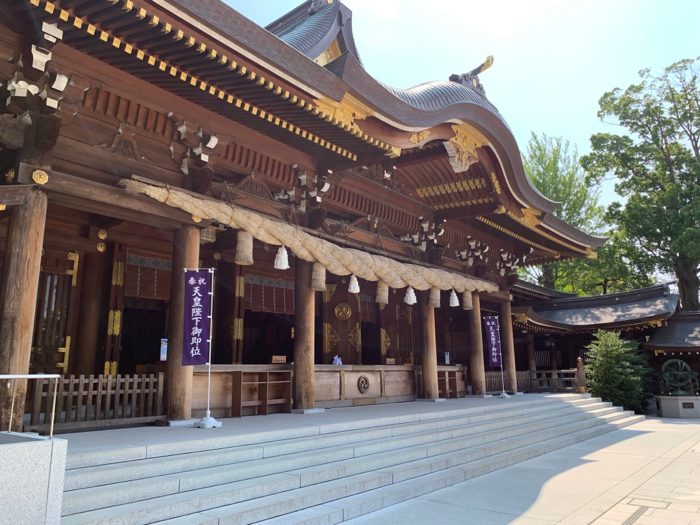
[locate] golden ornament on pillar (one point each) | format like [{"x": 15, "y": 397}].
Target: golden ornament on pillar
[
  {"x": 40, "y": 177},
  {"x": 101, "y": 247}
]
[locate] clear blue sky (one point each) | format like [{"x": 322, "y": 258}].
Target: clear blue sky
[{"x": 553, "y": 58}]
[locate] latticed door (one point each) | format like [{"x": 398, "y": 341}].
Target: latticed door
[{"x": 55, "y": 318}]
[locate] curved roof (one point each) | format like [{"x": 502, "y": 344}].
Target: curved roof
[
  {"x": 311, "y": 31},
  {"x": 603, "y": 311},
  {"x": 278, "y": 89},
  {"x": 682, "y": 332},
  {"x": 291, "y": 43}
]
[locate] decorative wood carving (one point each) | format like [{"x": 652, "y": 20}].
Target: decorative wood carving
[{"x": 462, "y": 147}]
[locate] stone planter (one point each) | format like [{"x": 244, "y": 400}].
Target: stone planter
[{"x": 32, "y": 469}]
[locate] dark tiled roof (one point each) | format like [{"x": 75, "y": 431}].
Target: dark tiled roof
[
  {"x": 433, "y": 96},
  {"x": 605, "y": 311},
  {"x": 526, "y": 288},
  {"x": 304, "y": 31},
  {"x": 681, "y": 331}
]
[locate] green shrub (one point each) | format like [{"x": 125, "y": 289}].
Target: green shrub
[{"x": 617, "y": 371}]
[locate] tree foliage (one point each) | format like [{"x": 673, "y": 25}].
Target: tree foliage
[
  {"x": 617, "y": 371},
  {"x": 657, "y": 165},
  {"x": 553, "y": 166},
  {"x": 619, "y": 267}
]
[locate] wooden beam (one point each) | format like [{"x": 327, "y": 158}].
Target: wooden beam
[
  {"x": 497, "y": 297},
  {"x": 466, "y": 212},
  {"x": 14, "y": 195},
  {"x": 12, "y": 132},
  {"x": 105, "y": 200},
  {"x": 420, "y": 157}
]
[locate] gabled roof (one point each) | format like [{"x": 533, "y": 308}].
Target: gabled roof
[
  {"x": 682, "y": 332},
  {"x": 621, "y": 310},
  {"x": 311, "y": 28}
]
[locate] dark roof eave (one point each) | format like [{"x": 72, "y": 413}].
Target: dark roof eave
[{"x": 554, "y": 222}]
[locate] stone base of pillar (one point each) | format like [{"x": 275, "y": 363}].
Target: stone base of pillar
[{"x": 308, "y": 410}]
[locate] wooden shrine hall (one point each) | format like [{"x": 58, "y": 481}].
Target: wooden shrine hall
[{"x": 344, "y": 218}]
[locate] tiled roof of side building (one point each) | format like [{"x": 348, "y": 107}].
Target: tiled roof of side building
[
  {"x": 681, "y": 331},
  {"x": 604, "y": 311}
]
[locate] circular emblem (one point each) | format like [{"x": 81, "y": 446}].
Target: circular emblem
[
  {"x": 363, "y": 384},
  {"x": 343, "y": 311}
]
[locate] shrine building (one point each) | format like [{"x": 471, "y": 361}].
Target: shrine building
[{"x": 343, "y": 217}]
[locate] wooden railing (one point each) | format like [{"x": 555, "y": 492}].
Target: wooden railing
[
  {"x": 84, "y": 402},
  {"x": 554, "y": 380},
  {"x": 493, "y": 381}
]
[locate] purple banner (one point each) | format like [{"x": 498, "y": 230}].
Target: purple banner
[
  {"x": 198, "y": 301},
  {"x": 493, "y": 340}
]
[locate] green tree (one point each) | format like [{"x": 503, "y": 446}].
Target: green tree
[
  {"x": 657, "y": 165},
  {"x": 552, "y": 165},
  {"x": 617, "y": 371},
  {"x": 619, "y": 267}
]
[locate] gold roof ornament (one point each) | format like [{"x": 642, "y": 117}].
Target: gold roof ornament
[{"x": 461, "y": 148}]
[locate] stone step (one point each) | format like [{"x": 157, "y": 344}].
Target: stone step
[
  {"x": 130, "y": 453},
  {"x": 169, "y": 505},
  {"x": 287, "y": 507},
  {"x": 86, "y": 499},
  {"x": 358, "y": 505},
  {"x": 78, "y": 478}
]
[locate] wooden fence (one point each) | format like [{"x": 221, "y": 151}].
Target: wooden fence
[
  {"x": 84, "y": 402},
  {"x": 493, "y": 381}
]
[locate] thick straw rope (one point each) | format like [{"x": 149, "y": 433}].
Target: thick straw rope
[{"x": 336, "y": 259}]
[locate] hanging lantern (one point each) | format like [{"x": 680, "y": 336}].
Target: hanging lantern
[
  {"x": 244, "y": 248},
  {"x": 410, "y": 297},
  {"x": 354, "y": 286},
  {"x": 318, "y": 277},
  {"x": 382, "y": 293},
  {"x": 453, "y": 298},
  {"x": 282, "y": 259},
  {"x": 467, "y": 300},
  {"x": 434, "y": 300}
]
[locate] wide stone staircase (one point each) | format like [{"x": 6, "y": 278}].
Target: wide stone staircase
[{"x": 343, "y": 471}]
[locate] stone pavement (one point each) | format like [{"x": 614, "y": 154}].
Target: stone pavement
[{"x": 646, "y": 474}]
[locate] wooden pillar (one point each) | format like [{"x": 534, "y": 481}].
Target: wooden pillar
[
  {"x": 25, "y": 239},
  {"x": 531, "y": 358},
  {"x": 304, "y": 317},
  {"x": 508, "y": 348},
  {"x": 178, "y": 377},
  {"x": 90, "y": 311},
  {"x": 476, "y": 354},
  {"x": 430, "y": 375},
  {"x": 554, "y": 359}
]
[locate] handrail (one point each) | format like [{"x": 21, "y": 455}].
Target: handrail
[{"x": 12, "y": 377}]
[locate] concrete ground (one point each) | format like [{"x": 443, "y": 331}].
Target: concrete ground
[{"x": 646, "y": 474}]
